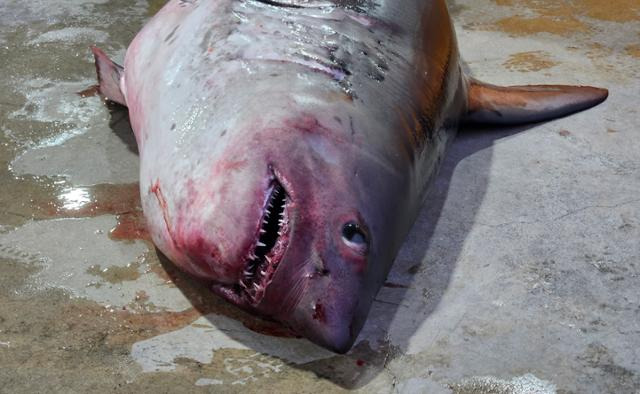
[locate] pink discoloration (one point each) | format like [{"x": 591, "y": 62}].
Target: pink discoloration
[
  {"x": 222, "y": 168},
  {"x": 131, "y": 226},
  {"x": 201, "y": 255}
]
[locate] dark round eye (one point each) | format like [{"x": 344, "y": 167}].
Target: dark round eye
[{"x": 353, "y": 234}]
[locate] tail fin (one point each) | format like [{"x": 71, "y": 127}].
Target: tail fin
[
  {"x": 526, "y": 104},
  {"x": 109, "y": 76}
]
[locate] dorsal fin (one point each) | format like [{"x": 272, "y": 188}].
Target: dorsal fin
[
  {"x": 526, "y": 104},
  {"x": 109, "y": 76}
]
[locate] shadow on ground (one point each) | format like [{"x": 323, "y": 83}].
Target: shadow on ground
[{"x": 362, "y": 364}]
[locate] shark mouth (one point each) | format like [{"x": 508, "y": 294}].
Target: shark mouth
[{"x": 266, "y": 254}]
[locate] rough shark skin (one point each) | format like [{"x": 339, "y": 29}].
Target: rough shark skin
[{"x": 287, "y": 146}]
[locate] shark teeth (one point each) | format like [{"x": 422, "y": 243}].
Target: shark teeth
[{"x": 260, "y": 261}]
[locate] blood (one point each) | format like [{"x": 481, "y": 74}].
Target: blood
[
  {"x": 122, "y": 200},
  {"x": 360, "y": 362},
  {"x": 131, "y": 226},
  {"x": 90, "y": 201}
]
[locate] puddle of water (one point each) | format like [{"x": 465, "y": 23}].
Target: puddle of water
[
  {"x": 115, "y": 274},
  {"x": 91, "y": 201},
  {"x": 122, "y": 200},
  {"x": 68, "y": 107}
]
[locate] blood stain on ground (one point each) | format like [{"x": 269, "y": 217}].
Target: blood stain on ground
[{"x": 122, "y": 200}]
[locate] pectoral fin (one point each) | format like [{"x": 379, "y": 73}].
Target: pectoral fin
[
  {"x": 526, "y": 104},
  {"x": 109, "y": 77}
]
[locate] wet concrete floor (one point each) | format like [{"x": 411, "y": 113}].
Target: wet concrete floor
[{"x": 521, "y": 274}]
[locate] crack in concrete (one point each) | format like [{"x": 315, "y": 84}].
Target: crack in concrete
[
  {"x": 390, "y": 303},
  {"x": 555, "y": 219}
]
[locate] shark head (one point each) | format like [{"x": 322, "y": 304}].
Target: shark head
[{"x": 324, "y": 228}]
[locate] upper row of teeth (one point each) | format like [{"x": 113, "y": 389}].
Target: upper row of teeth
[
  {"x": 252, "y": 256},
  {"x": 276, "y": 191}
]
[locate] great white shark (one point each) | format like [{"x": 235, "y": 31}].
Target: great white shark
[{"x": 287, "y": 146}]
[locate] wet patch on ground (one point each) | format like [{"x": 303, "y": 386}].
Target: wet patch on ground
[
  {"x": 564, "y": 18},
  {"x": 529, "y": 61},
  {"x": 592, "y": 29}
]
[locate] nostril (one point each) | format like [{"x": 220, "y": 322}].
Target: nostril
[{"x": 323, "y": 272}]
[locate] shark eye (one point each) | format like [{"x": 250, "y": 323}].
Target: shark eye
[{"x": 354, "y": 236}]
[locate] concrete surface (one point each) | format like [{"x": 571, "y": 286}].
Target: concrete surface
[{"x": 520, "y": 276}]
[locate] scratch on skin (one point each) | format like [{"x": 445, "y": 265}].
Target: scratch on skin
[{"x": 155, "y": 189}]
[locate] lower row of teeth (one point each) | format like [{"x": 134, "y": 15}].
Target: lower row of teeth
[
  {"x": 254, "y": 259},
  {"x": 255, "y": 286}
]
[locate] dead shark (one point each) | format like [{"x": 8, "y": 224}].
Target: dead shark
[{"x": 287, "y": 146}]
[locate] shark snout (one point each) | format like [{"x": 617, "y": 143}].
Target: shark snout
[
  {"x": 333, "y": 327},
  {"x": 327, "y": 304}
]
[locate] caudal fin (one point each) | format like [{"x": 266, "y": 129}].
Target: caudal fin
[
  {"x": 109, "y": 75},
  {"x": 526, "y": 104}
]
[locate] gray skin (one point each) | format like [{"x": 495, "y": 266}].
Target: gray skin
[{"x": 337, "y": 113}]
